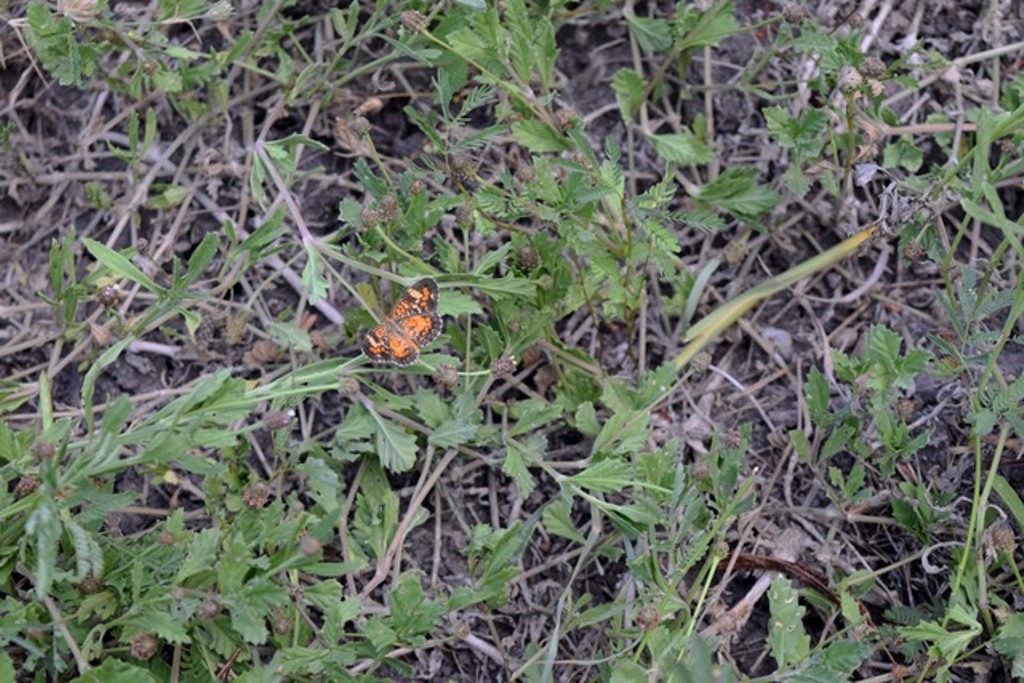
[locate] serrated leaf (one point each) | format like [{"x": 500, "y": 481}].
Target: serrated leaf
[
  {"x": 519, "y": 455},
  {"x": 290, "y": 336},
  {"x": 607, "y": 476},
  {"x": 113, "y": 670},
  {"x": 161, "y": 624},
  {"x": 396, "y": 449},
  {"x": 44, "y": 526},
  {"x": 789, "y": 641},
  {"x": 653, "y": 35},
  {"x": 737, "y": 192},
  {"x": 202, "y": 554},
  {"x": 683, "y": 148},
  {"x": 558, "y": 520},
  {"x": 453, "y": 432},
  {"x": 538, "y": 137},
  {"x": 586, "y": 419},
  {"x": 623, "y": 432},
  {"x": 313, "y": 276},
  {"x": 628, "y": 86}
]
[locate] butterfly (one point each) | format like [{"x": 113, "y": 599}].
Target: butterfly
[{"x": 412, "y": 324}]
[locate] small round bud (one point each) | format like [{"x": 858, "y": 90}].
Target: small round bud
[
  {"x": 256, "y": 494},
  {"x": 794, "y": 13},
  {"x": 236, "y": 330},
  {"x": 277, "y": 419},
  {"x": 262, "y": 352},
  {"x": 525, "y": 174},
  {"x": 349, "y": 387},
  {"x": 735, "y": 251},
  {"x": 528, "y": 257},
  {"x": 387, "y": 209},
  {"x": 566, "y": 119},
  {"x": 310, "y": 546},
  {"x": 464, "y": 215},
  {"x": 43, "y": 450},
  {"x": 701, "y": 362},
  {"x": 700, "y": 471},
  {"x": 461, "y": 169},
  {"x": 414, "y": 22},
  {"x": 165, "y": 538},
  {"x": 369, "y": 216},
  {"x": 914, "y": 251},
  {"x": 1002, "y": 538},
  {"x": 144, "y": 646},
  {"x": 873, "y": 67},
  {"x": 417, "y": 187},
  {"x": 27, "y": 485},
  {"x": 109, "y": 296},
  {"x": 90, "y": 585},
  {"x": 849, "y": 79},
  {"x": 208, "y": 609},
  {"x": 282, "y": 624},
  {"x": 904, "y": 409},
  {"x": 647, "y": 618},
  {"x": 360, "y": 125},
  {"x": 504, "y": 367},
  {"x": 446, "y": 376}
]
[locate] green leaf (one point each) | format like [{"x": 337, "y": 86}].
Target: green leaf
[
  {"x": 538, "y": 137},
  {"x": 948, "y": 644},
  {"x": 682, "y": 148},
  {"x": 607, "y": 476},
  {"x": 653, "y": 35},
  {"x": 1009, "y": 642},
  {"x": 121, "y": 265},
  {"x": 313, "y": 278},
  {"x": 396, "y": 449},
  {"x": 519, "y": 455},
  {"x": 624, "y": 432},
  {"x": 628, "y": 86},
  {"x": 452, "y": 432},
  {"x": 159, "y": 623},
  {"x": 6, "y": 667},
  {"x": 706, "y": 29},
  {"x": 903, "y": 153},
  {"x": 44, "y": 525},
  {"x": 802, "y": 135},
  {"x": 54, "y": 41},
  {"x": 290, "y": 336},
  {"x": 737, "y": 192},
  {"x": 413, "y": 615},
  {"x": 114, "y": 670},
  {"x": 558, "y": 520},
  {"x": 167, "y": 196},
  {"x": 203, "y": 549},
  {"x": 789, "y": 641},
  {"x": 585, "y": 420},
  {"x": 89, "y": 384},
  {"x": 201, "y": 258}
]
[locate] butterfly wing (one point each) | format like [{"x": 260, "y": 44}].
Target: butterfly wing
[
  {"x": 389, "y": 343},
  {"x": 421, "y": 298}
]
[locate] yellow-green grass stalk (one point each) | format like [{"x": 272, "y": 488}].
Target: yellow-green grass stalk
[{"x": 719, "y": 320}]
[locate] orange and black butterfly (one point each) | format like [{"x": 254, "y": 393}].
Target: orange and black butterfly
[{"x": 412, "y": 324}]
